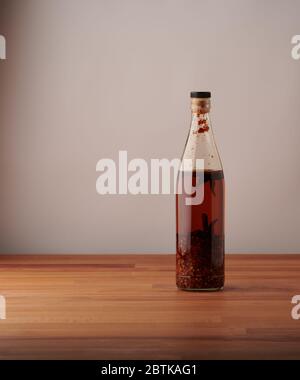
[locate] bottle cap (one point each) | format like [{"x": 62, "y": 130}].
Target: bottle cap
[{"x": 201, "y": 94}]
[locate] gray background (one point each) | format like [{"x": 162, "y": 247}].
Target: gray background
[{"x": 85, "y": 78}]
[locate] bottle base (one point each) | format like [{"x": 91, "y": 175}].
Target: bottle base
[
  {"x": 201, "y": 289},
  {"x": 200, "y": 283}
]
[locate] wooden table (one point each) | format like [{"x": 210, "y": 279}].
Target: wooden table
[{"x": 127, "y": 307}]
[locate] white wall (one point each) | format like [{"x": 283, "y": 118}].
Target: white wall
[{"x": 85, "y": 78}]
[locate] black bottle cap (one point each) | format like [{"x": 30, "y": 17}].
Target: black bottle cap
[{"x": 202, "y": 94}]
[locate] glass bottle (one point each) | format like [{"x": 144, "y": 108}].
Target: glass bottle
[{"x": 200, "y": 205}]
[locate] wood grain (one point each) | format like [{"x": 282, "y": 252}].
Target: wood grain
[{"x": 127, "y": 307}]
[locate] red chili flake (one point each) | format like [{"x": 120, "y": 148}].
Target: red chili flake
[
  {"x": 203, "y": 129},
  {"x": 201, "y": 122}
]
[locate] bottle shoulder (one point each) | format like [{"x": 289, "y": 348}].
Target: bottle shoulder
[{"x": 202, "y": 146}]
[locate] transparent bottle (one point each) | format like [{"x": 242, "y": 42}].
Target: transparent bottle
[{"x": 200, "y": 205}]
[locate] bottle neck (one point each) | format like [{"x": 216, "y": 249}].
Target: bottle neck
[
  {"x": 200, "y": 123},
  {"x": 200, "y": 142},
  {"x": 200, "y": 106},
  {"x": 200, "y": 115}
]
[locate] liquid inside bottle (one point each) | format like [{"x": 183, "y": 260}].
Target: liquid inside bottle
[{"x": 200, "y": 225}]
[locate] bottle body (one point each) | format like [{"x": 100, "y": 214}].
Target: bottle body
[{"x": 200, "y": 222}]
